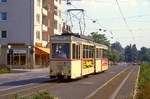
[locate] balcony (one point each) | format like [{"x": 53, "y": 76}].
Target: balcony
[
  {"x": 44, "y": 28},
  {"x": 56, "y": 3},
  {"x": 45, "y": 12}
]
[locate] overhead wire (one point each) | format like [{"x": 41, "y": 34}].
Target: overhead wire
[
  {"x": 124, "y": 19},
  {"x": 97, "y": 21}
]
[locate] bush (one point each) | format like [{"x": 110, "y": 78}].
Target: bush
[
  {"x": 42, "y": 95},
  {"x": 4, "y": 69},
  {"x": 144, "y": 82}
]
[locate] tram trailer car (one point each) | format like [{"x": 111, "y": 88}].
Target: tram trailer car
[{"x": 74, "y": 57}]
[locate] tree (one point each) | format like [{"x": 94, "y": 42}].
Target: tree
[
  {"x": 100, "y": 38},
  {"x": 117, "y": 46},
  {"x": 134, "y": 53},
  {"x": 144, "y": 55},
  {"x": 131, "y": 53},
  {"x": 118, "y": 50},
  {"x": 128, "y": 54}
]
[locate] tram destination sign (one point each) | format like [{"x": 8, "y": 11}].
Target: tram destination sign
[{"x": 60, "y": 38}]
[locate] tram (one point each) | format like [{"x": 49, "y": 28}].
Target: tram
[{"x": 74, "y": 56}]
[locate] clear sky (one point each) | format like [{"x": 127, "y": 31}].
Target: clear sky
[{"x": 106, "y": 12}]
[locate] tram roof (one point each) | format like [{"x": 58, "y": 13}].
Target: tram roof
[
  {"x": 75, "y": 37},
  {"x": 70, "y": 36}
]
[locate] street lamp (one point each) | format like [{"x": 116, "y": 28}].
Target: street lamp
[
  {"x": 0, "y": 49},
  {"x": 29, "y": 59},
  {"x": 10, "y": 55}
]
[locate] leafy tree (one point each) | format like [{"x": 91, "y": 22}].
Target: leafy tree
[
  {"x": 128, "y": 54},
  {"x": 117, "y": 46},
  {"x": 100, "y": 38},
  {"x": 118, "y": 50},
  {"x": 144, "y": 55},
  {"x": 134, "y": 53}
]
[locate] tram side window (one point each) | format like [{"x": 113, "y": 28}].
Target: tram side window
[
  {"x": 104, "y": 55},
  {"x": 98, "y": 53},
  {"x": 91, "y": 52},
  {"x": 87, "y": 51},
  {"x": 60, "y": 50},
  {"x": 75, "y": 51},
  {"x": 84, "y": 51}
]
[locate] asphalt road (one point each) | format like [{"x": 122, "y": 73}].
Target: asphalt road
[
  {"x": 22, "y": 78},
  {"x": 116, "y": 83}
]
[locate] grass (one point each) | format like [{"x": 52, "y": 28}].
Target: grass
[
  {"x": 4, "y": 69},
  {"x": 42, "y": 95},
  {"x": 144, "y": 82}
]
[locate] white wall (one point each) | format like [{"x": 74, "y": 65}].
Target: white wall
[{"x": 19, "y": 22}]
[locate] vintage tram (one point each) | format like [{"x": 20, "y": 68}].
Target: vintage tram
[{"x": 74, "y": 56}]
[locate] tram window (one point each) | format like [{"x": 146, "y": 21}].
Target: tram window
[
  {"x": 76, "y": 51},
  {"x": 104, "y": 55},
  {"x": 87, "y": 51},
  {"x": 73, "y": 51},
  {"x": 92, "y": 52},
  {"x": 84, "y": 51},
  {"x": 96, "y": 52},
  {"x": 60, "y": 50}
]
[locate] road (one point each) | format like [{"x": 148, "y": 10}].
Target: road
[
  {"x": 116, "y": 83},
  {"x": 21, "y": 78}
]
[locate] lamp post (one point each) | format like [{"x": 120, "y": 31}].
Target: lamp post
[
  {"x": 0, "y": 49},
  {"x": 10, "y": 55},
  {"x": 29, "y": 60}
]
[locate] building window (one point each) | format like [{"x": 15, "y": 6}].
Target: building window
[
  {"x": 37, "y": 34},
  {"x": 3, "y": 34},
  {"x": 55, "y": 24},
  {"x": 3, "y": 1},
  {"x": 3, "y": 16},
  {"x": 38, "y": 18},
  {"x": 59, "y": 13},
  {"x": 38, "y": 3}
]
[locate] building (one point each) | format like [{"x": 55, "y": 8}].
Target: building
[{"x": 25, "y": 27}]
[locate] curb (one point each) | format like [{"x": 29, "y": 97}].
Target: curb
[{"x": 136, "y": 84}]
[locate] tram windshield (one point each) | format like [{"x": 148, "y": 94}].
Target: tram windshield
[{"x": 60, "y": 50}]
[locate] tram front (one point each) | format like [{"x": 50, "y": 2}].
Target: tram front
[{"x": 60, "y": 64}]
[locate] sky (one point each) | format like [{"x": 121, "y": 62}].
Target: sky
[{"x": 131, "y": 28}]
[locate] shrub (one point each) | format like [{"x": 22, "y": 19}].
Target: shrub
[
  {"x": 144, "y": 82},
  {"x": 42, "y": 95},
  {"x": 4, "y": 69}
]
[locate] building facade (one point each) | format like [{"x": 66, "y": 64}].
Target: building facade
[{"x": 25, "y": 28}]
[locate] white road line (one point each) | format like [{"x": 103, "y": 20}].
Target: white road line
[
  {"x": 93, "y": 93},
  {"x": 120, "y": 86},
  {"x": 136, "y": 84}
]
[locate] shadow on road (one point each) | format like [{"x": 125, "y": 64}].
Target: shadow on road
[{"x": 27, "y": 81}]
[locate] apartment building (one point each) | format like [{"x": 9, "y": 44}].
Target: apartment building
[{"x": 25, "y": 28}]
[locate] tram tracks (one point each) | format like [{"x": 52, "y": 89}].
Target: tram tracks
[{"x": 111, "y": 88}]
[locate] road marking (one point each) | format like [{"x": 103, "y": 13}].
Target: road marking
[
  {"x": 136, "y": 84},
  {"x": 93, "y": 93},
  {"x": 120, "y": 86}
]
